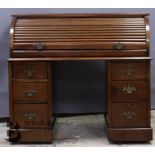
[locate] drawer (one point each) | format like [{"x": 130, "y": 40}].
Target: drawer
[
  {"x": 31, "y": 115},
  {"x": 128, "y": 90},
  {"x": 31, "y": 136},
  {"x": 129, "y": 71},
  {"x": 31, "y": 70},
  {"x": 70, "y": 43},
  {"x": 30, "y": 91},
  {"x": 129, "y": 115}
]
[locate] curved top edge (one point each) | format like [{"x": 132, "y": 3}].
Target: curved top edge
[{"x": 69, "y": 15}]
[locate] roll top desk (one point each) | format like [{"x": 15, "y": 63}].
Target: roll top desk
[{"x": 122, "y": 40}]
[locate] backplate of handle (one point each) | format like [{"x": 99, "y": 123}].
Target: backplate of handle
[
  {"x": 129, "y": 70},
  {"x": 39, "y": 46},
  {"x": 30, "y": 115},
  {"x": 30, "y": 92},
  {"x": 129, "y": 89},
  {"x": 29, "y": 71},
  {"x": 118, "y": 46}
]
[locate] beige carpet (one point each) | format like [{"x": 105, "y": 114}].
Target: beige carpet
[{"x": 78, "y": 131}]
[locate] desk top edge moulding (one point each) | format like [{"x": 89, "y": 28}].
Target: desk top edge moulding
[{"x": 37, "y": 40}]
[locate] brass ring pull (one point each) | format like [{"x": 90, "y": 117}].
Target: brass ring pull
[
  {"x": 30, "y": 92},
  {"x": 118, "y": 46},
  {"x": 30, "y": 115},
  {"x": 39, "y": 46},
  {"x": 129, "y": 89}
]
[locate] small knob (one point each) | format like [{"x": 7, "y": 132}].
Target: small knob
[{"x": 118, "y": 46}]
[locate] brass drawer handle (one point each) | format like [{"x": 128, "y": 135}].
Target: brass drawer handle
[
  {"x": 118, "y": 46},
  {"x": 129, "y": 89},
  {"x": 30, "y": 92},
  {"x": 39, "y": 46},
  {"x": 29, "y": 71},
  {"x": 129, "y": 114},
  {"x": 129, "y": 70},
  {"x": 30, "y": 115}
]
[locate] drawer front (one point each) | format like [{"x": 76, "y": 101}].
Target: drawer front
[
  {"x": 31, "y": 136},
  {"x": 31, "y": 70},
  {"x": 72, "y": 44},
  {"x": 129, "y": 71},
  {"x": 129, "y": 90},
  {"x": 129, "y": 115},
  {"x": 30, "y": 91},
  {"x": 31, "y": 115}
]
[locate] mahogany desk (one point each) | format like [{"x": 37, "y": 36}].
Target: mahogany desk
[{"x": 122, "y": 40}]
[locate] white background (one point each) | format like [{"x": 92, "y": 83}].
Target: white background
[{"x": 78, "y": 4}]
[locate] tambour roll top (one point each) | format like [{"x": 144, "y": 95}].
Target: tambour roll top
[{"x": 80, "y": 32}]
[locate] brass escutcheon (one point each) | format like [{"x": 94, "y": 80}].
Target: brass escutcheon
[
  {"x": 118, "y": 46},
  {"x": 129, "y": 114},
  {"x": 30, "y": 92},
  {"x": 29, "y": 71},
  {"x": 129, "y": 89},
  {"x": 39, "y": 46},
  {"x": 30, "y": 115},
  {"x": 129, "y": 70}
]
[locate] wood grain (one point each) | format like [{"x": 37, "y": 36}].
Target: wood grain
[
  {"x": 40, "y": 120},
  {"x": 21, "y": 90},
  {"x": 32, "y": 70}
]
